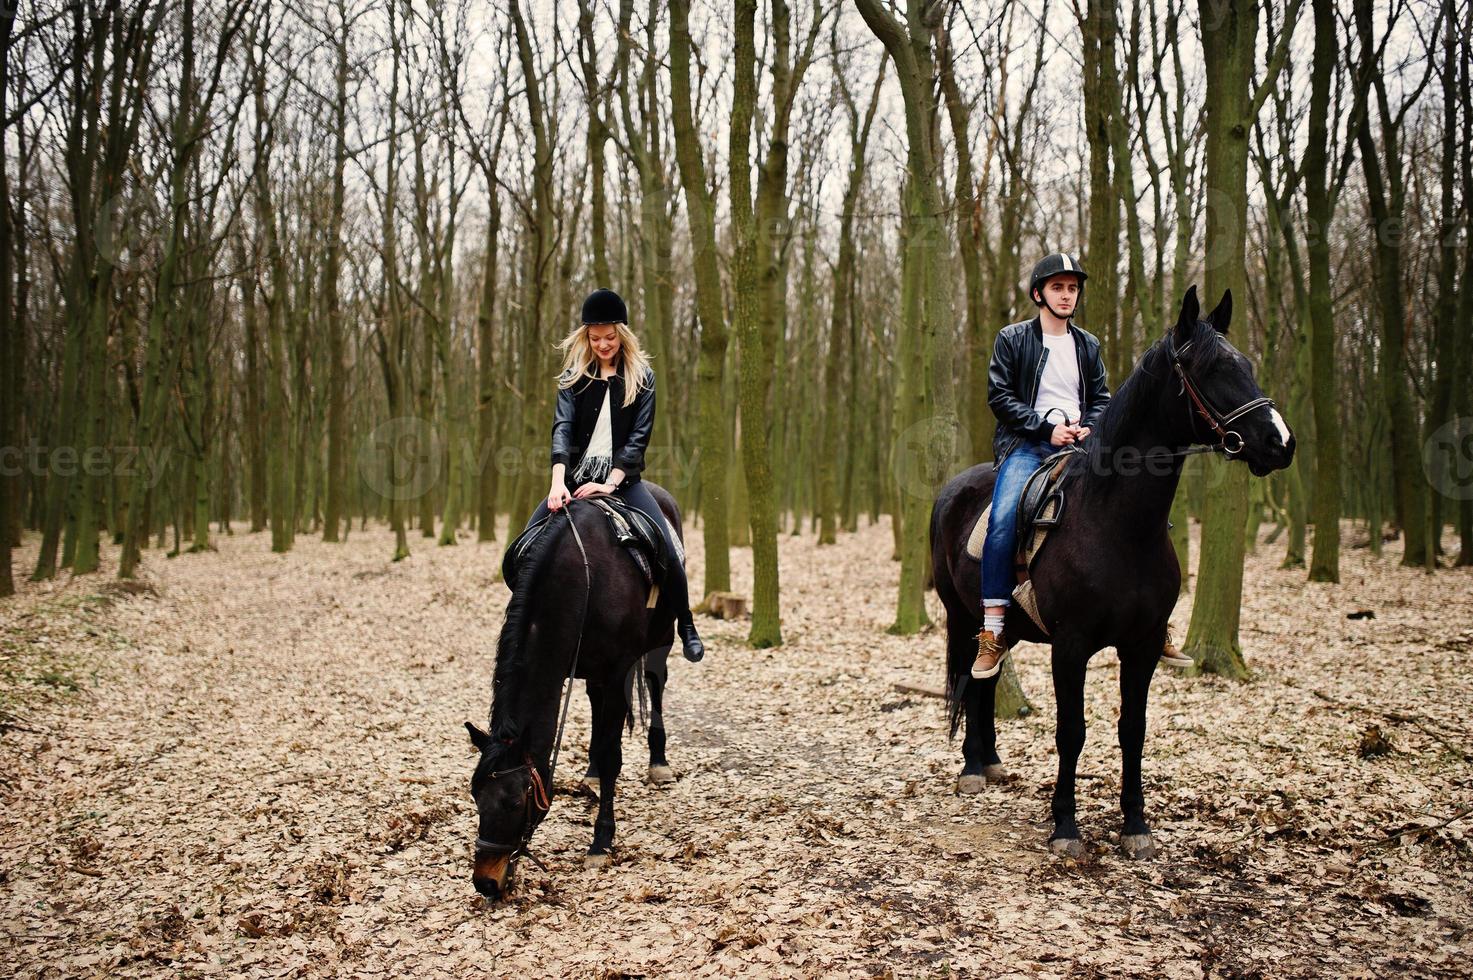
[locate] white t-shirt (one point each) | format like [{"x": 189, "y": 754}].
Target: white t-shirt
[{"x": 1059, "y": 386}]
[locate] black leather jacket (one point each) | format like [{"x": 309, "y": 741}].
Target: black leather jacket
[
  {"x": 577, "y": 413},
  {"x": 1012, "y": 384}
]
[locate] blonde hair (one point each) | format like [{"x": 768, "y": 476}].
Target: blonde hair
[{"x": 579, "y": 360}]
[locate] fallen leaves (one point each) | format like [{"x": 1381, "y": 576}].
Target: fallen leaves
[{"x": 262, "y": 773}]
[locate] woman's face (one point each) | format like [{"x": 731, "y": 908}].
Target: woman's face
[{"x": 604, "y": 339}]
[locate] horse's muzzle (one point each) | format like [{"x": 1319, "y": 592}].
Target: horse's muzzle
[{"x": 490, "y": 875}]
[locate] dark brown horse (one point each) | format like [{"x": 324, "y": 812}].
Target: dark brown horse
[
  {"x": 578, "y": 596},
  {"x": 1107, "y": 575}
]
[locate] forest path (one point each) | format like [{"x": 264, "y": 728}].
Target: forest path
[{"x": 262, "y": 771}]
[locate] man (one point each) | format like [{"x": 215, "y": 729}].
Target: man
[{"x": 1046, "y": 385}]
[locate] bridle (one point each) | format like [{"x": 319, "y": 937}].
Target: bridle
[
  {"x": 1217, "y": 420},
  {"x": 537, "y": 793}
]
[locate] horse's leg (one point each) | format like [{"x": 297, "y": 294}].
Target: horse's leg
[
  {"x": 608, "y": 751},
  {"x": 1068, "y": 670},
  {"x": 1137, "y": 664},
  {"x": 660, "y": 771},
  {"x": 591, "y": 776},
  {"x": 979, "y": 738}
]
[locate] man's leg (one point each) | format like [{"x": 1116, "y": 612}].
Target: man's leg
[{"x": 997, "y": 555}]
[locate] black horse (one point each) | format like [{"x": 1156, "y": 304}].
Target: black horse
[
  {"x": 1107, "y": 574},
  {"x": 577, "y": 595}
]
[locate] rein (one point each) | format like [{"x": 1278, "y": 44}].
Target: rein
[{"x": 538, "y": 793}]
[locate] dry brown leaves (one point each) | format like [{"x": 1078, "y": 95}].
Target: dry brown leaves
[{"x": 256, "y": 766}]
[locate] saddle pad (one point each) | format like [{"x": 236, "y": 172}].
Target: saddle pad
[
  {"x": 1027, "y": 599},
  {"x": 978, "y": 535}
]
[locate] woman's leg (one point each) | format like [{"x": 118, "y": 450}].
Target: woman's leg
[
  {"x": 675, "y": 586},
  {"x": 539, "y": 513}
]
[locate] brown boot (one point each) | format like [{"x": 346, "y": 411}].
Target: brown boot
[
  {"x": 1171, "y": 655},
  {"x": 990, "y": 652}
]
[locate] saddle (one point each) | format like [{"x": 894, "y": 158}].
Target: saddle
[
  {"x": 1039, "y": 509},
  {"x": 633, "y": 529}
]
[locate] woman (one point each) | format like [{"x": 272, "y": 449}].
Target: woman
[{"x": 605, "y": 414}]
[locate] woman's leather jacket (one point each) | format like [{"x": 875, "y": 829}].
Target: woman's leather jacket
[{"x": 577, "y": 412}]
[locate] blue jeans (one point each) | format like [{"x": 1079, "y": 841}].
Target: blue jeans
[{"x": 1002, "y": 531}]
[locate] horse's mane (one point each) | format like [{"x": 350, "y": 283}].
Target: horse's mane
[
  {"x": 1136, "y": 398},
  {"x": 512, "y": 659}
]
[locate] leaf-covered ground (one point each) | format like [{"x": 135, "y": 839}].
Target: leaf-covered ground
[{"x": 256, "y": 766}]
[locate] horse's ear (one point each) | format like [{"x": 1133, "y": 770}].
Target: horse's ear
[
  {"x": 1190, "y": 310},
  {"x": 479, "y": 738},
  {"x": 1220, "y": 316}
]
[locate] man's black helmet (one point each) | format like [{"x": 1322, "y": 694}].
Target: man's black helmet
[
  {"x": 604, "y": 306},
  {"x": 1050, "y": 266}
]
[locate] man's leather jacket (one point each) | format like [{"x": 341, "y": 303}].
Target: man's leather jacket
[
  {"x": 577, "y": 412},
  {"x": 1013, "y": 377}
]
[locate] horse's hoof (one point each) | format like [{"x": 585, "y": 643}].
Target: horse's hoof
[
  {"x": 1139, "y": 847},
  {"x": 1069, "y": 847},
  {"x": 597, "y": 860},
  {"x": 660, "y": 775},
  {"x": 970, "y": 785},
  {"x": 995, "y": 773}
]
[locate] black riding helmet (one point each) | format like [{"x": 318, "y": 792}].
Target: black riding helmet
[
  {"x": 1049, "y": 266},
  {"x": 604, "y": 306}
]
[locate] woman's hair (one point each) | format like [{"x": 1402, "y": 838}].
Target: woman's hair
[{"x": 579, "y": 360}]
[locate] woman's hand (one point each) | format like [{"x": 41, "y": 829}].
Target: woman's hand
[
  {"x": 558, "y": 496},
  {"x": 589, "y": 489},
  {"x": 1062, "y": 435}
]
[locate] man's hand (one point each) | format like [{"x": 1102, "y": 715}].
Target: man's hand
[
  {"x": 558, "y": 496},
  {"x": 1080, "y": 432},
  {"x": 589, "y": 489},
  {"x": 1063, "y": 435}
]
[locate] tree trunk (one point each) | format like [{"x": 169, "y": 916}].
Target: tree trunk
[
  {"x": 1387, "y": 195},
  {"x": 932, "y": 442},
  {"x": 1325, "y": 510},
  {"x": 1229, "y": 32}
]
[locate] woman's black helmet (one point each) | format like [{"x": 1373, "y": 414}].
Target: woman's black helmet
[
  {"x": 604, "y": 306},
  {"x": 1049, "y": 266}
]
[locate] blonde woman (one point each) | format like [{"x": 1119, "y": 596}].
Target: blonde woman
[{"x": 601, "y": 428}]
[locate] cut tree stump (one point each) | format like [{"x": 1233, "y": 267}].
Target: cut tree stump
[{"x": 726, "y": 605}]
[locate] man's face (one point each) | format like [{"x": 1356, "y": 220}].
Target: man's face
[{"x": 1061, "y": 293}]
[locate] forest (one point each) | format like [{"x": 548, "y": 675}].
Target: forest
[
  {"x": 281, "y": 283},
  {"x": 263, "y": 261}
]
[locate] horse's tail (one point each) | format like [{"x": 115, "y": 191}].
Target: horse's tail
[
  {"x": 511, "y": 645},
  {"x": 958, "y": 664}
]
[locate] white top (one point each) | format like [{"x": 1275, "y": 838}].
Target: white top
[
  {"x": 1059, "y": 386},
  {"x": 599, "y": 457}
]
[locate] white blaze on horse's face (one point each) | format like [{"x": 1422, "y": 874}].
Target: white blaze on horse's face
[{"x": 1278, "y": 420}]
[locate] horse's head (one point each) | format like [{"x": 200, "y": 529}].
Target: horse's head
[
  {"x": 1225, "y": 404},
  {"x": 511, "y": 795}
]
